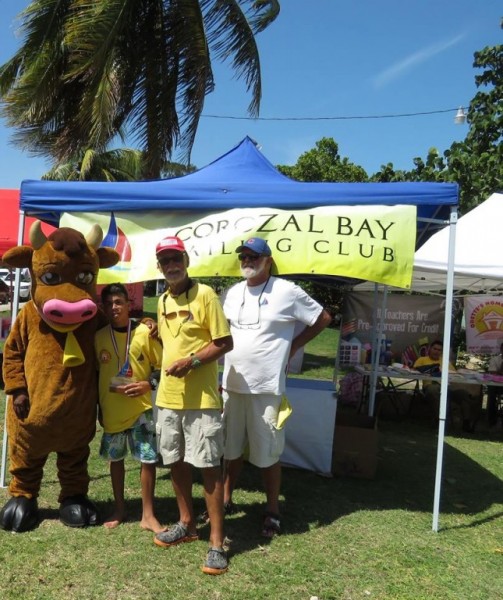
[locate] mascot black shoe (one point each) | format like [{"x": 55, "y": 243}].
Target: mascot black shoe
[
  {"x": 78, "y": 511},
  {"x": 19, "y": 514}
]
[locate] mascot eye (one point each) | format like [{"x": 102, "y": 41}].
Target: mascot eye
[
  {"x": 85, "y": 277},
  {"x": 51, "y": 278}
]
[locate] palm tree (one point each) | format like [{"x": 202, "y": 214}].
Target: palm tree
[
  {"x": 87, "y": 71},
  {"x": 121, "y": 164},
  {"x": 124, "y": 164}
]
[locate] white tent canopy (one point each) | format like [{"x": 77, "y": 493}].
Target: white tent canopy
[
  {"x": 477, "y": 261},
  {"x": 478, "y": 267}
]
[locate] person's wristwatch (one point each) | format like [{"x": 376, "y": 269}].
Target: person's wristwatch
[{"x": 194, "y": 362}]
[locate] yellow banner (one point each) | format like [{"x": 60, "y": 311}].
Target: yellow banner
[{"x": 373, "y": 243}]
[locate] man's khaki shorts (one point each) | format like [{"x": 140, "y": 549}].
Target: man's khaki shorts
[
  {"x": 253, "y": 419},
  {"x": 194, "y": 436}
]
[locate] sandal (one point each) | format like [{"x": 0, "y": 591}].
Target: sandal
[
  {"x": 216, "y": 562},
  {"x": 271, "y": 526},
  {"x": 177, "y": 534},
  {"x": 229, "y": 509}
]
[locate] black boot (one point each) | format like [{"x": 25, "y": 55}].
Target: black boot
[
  {"x": 78, "y": 511},
  {"x": 19, "y": 514}
]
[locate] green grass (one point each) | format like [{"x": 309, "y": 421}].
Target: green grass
[
  {"x": 343, "y": 538},
  {"x": 150, "y": 306},
  {"x": 319, "y": 356}
]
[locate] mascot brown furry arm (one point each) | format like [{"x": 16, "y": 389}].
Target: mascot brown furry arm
[{"x": 50, "y": 372}]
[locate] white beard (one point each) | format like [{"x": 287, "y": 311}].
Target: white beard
[
  {"x": 251, "y": 272},
  {"x": 248, "y": 272}
]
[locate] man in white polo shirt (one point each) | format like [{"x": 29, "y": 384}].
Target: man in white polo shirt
[{"x": 262, "y": 311}]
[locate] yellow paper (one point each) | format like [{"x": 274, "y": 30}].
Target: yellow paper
[{"x": 285, "y": 410}]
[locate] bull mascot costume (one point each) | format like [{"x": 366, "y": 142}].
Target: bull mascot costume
[{"x": 50, "y": 373}]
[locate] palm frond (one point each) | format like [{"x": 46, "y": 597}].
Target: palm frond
[
  {"x": 88, "y": 70},
  {"x": 264, "y": 12},
  {"x": 231, "y": 38},
  {"x": 121, "y": 164}
]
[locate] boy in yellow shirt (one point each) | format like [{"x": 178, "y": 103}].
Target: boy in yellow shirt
[{"x": 127, "y": 356}]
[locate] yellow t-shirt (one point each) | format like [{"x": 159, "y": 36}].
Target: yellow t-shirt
[
  {"x": 187, "y": 323},
  {"x": 119, "y": 412},
  {"x": 426, "y": 361}
]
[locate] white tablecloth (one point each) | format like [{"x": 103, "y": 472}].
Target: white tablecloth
[{"x": 310, "y": 428}]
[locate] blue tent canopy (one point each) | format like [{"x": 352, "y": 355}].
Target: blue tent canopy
[{"x": 242, "y": 177}]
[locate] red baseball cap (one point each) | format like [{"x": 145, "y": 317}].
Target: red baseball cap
[{"x": 170, "y": 243}]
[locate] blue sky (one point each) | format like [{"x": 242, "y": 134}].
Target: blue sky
[{"x": 329, "y": 58}]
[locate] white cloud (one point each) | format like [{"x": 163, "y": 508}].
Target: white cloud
[{"x": 407, "y": 64}]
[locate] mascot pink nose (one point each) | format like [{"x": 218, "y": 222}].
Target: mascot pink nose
[{"x": 68, "y": 313}]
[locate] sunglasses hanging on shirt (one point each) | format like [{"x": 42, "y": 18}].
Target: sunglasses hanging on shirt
[{"x": 245, "y": 320}]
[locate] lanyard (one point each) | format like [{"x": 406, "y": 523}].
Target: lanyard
[
  {"x": 123, "y": 370},
  {"x": 244, "y": 320}
]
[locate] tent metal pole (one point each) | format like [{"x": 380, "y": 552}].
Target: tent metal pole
[
  {"x": 378, "y": 329},
  {"x": 444, "y": 382},
  {"x": 15, "y": 310},
  {"x": 337, "y": 363}
]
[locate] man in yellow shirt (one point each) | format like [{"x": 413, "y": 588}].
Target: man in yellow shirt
[{"x": 194, "y": 334}]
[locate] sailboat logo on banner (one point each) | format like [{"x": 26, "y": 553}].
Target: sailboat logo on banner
[{"x": 116, "y": 239}]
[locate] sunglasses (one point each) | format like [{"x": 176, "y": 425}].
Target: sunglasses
[
  {"x": 252, "y": 257},
  {"x": 165, "y": 260},
  {"x": 183, "y": 314}
]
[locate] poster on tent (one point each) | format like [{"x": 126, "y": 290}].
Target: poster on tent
[
  {"x": 371, "y": 242},
  {"x": 410, "y": 324},
  {"x": 484, "y": 324}
]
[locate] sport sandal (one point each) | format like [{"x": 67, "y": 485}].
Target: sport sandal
[
  {"x": 271, "y": 526},
  {"x": 216, "y": 562},
  {"x": 229, "y": 509},
  {"x": 177, "y": 534}
]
